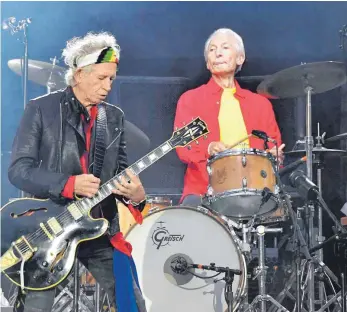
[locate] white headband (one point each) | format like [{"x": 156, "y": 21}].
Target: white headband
[{"x": 104, "y": 55}]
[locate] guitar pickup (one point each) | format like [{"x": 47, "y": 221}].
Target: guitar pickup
[
  {"x": 55, "y": 226},
  {"x": 75, "y": 212}
]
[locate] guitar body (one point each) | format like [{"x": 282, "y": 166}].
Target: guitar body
[{"x": 50, "y": 251}]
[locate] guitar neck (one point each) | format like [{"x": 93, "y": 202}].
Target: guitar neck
[{"x": 106, "y": 189}]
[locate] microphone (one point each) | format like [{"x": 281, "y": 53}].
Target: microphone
[
  {"x": 306, "y": 188},
  {"x": 291, "y": 166},
  {"x": 262, "y": 135},
  {"x": 212, "y": 267}
]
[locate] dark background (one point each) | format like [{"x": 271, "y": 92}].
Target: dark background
[{"x": 162, "y": 56}]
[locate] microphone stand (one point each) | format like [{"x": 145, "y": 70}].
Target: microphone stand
[
  {"x": 228, "y": 278},
  {"x": 10, "y": 24}
]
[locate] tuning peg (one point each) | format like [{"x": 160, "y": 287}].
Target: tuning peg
[
  {"x": 197, "y": 142},
  {"x": 205, "y": 137},
  {"x": 189, "y": 147},
  {"x": 184, "y": 123}
]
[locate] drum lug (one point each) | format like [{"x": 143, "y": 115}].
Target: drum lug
[
  {"x": 244, "y": 183},
  {"x": 202, "y": 209},
  {"x": 244, "y": 161},
  {"x": 154, "y": 209},
  {"x": 263, "y": 174},
  {"x": 210, "y": 190}
]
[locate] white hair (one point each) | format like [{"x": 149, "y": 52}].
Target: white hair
[
  {"x": 227, "y": 31},
  {"x": 80, "y": 46}
]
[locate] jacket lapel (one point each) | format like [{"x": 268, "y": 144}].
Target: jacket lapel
[{"x": 75, "y": 121}]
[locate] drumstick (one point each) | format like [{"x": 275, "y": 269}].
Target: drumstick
[{"x": 240, "y": 141}]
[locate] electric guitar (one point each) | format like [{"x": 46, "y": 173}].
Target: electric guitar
[{"x": 38, "y": 246}]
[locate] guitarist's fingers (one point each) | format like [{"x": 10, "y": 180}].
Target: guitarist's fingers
[
  {"x": 118, "y": 192},
  {"x": 88, "y": 191},
  {"x": 132, "y": 177},
  {"x": 91, "y": 178},
  {"x": 120, "y": 188}
]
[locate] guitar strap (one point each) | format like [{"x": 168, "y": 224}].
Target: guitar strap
[{"x": 100, "y": 146}]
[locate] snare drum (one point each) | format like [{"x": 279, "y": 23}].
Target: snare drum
[
  {"x": 126, "y": 219},
  {"x": 242, "y": 183},
  {"x": 195, "y": 235}
]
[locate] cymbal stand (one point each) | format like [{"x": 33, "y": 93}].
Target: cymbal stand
[
  {"x": 319, "y": 162},
  {"x": 310, "y": 208},
  {"x": 50, "y": 82},
  {"x": 262, "y": 272}
]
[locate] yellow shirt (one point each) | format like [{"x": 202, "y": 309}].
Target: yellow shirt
[{"x": 231, "y": 123}]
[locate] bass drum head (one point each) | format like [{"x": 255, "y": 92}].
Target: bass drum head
[{"x": 169, "y": 237}]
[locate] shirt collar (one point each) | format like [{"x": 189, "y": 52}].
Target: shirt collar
[{"x": 215, "y": 88}]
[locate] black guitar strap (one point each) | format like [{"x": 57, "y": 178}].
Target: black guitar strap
[{"x": 100, "y": 146}]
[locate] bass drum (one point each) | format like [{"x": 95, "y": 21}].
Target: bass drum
[{"x": 169, "y": 237}]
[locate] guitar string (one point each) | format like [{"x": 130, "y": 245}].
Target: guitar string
[{"x": 40, "y": 233}]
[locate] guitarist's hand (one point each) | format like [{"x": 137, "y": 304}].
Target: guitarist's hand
[
  {"x": 132, "y": 189},
  {"x": 86, "y": 185}
]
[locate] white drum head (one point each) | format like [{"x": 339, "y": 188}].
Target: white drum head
[{"x": 182, "y": 232}]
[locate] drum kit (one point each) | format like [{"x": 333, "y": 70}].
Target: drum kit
[
  {"x": 177, "y": 247},
  {"x": 246, "y": 201}
]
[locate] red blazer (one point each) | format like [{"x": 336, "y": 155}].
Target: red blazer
[{"x": 204, "y": 102}]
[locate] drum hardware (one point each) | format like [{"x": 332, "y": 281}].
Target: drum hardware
[
  {"x": 261, "y": 273},
  {"x": 310, "y": 193},
  {"x": 305, "y": 80}
]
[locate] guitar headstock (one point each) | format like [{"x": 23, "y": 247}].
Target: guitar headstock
[{"x": 189, "y": 133}]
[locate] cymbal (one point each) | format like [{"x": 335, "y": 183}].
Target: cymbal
[
  {"x": 40, "y": 73},
  {"x": 318, "y": 150},
  {"x": 292, "y": 82},
  {"x": 337, "y": 137}
]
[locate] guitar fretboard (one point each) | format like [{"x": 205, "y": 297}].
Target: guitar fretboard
[{"x": 106, "y": 189}]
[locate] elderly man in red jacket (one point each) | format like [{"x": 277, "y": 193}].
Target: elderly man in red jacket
[{"x": 229, "y": 111}]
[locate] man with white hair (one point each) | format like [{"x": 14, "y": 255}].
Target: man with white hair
[
  {"x": 56, "y": 155},
  {"x": 229, "y": 111}
]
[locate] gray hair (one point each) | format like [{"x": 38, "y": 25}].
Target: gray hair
[
  {"x": 80, "y": 46},
  {"x": 239, "y": 42}
]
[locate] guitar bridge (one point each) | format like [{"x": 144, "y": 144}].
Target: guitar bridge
[{"x": 16, "y": 254}]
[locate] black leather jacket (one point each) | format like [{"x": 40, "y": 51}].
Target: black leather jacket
[{"x": 50, "y": 141}]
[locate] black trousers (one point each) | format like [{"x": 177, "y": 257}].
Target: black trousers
[{"x": 97, "y": 256}]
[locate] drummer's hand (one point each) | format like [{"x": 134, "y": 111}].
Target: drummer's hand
[
  {"x": 216, "y": 147},
  {"x": 280, "y": 153}
]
